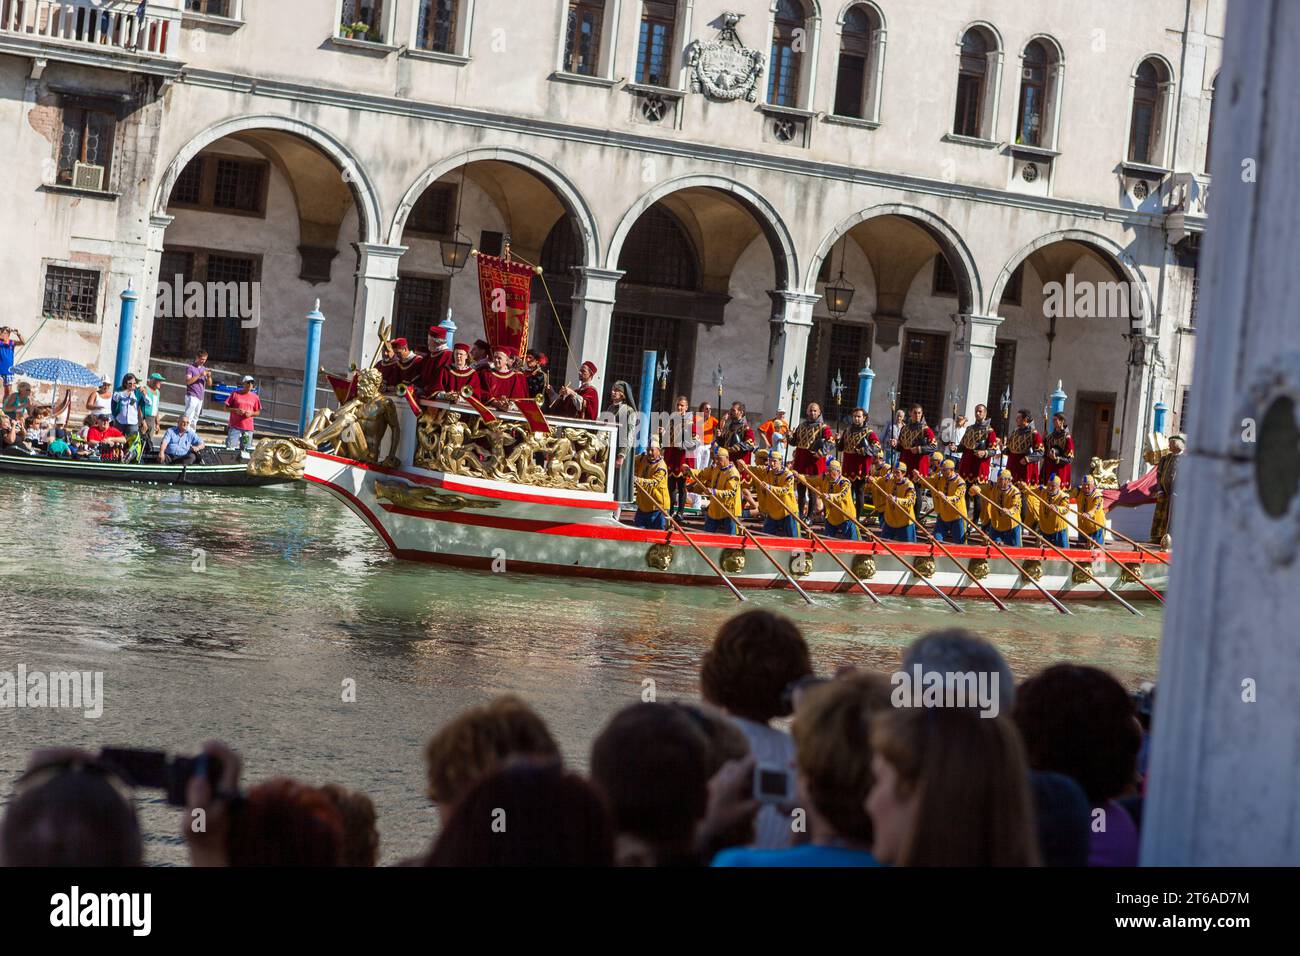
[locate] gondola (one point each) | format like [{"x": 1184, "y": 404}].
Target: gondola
[{"x": 225, "y": 470}]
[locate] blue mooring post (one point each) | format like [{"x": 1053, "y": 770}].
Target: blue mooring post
[
  {"x": 1058, "y": 398},
  {"x": 450, "y": 326},
  {"x": 649, "y": 363},
  {"x": 1158, "y": 425},
  {"x": 315, "y": 319},
  {"x": 865, "y": 378},
  {"x": 125, "y": 333}
]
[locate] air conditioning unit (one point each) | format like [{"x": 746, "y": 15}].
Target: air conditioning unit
[{"x": 87, "y": 176}]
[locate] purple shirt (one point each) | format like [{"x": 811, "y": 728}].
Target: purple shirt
[
  {"x": 195, "y": 389},
  {"x": 1117, "y": 845}
]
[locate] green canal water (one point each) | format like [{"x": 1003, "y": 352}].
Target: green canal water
[{"x": 239, "y": 615}]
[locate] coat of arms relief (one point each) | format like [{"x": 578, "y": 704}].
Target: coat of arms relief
[{"x": 724, "y": 69}]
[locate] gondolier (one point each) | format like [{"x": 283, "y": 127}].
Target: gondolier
[
  {"x": 652, "y": 501},
  {"x": 857, "y": 446},
  {"x": 950, "y": 504},
  {"x": 1024, "y": 449},
  {"x": 916, "y": 442},
  {"x": 722, "y": 481},
  {"x": 813, "y": 443},
  {"x": 580, "y": 402},
  {"x": 1059, "y": 455},
  {"x": 841, "y": 509}
]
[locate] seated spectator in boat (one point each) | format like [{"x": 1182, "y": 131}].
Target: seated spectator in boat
[
  {"x": 126, "y": 405},
  {"x": 480, "y": 741},
  {"x": 833, "y": 757},
  {"x": 19, "y": 403},
  {"x": 34, "y": 432},
  {"x": 8, "y": 431},
  {"x": 651, "y": 764},
  {"x": 360, "y": 830},
  {"x": 955, "y": 650},
  {"x": 59, "y": 447},
  {"x": 1080, "y": 721},
  {"x": 87, "y": 424},
  {"x": 755, "y": 659},
  {"x": 103, "y": 433},
  {"x": 951, "y": 789},
  {"x": 68, "y": 809},
  {"x": 181, "y": 445},
  {"x": 527, "y": 815},
  {"x": 245, "y": 406}
]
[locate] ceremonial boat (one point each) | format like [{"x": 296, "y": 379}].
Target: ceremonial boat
[{"x": 439, "y": 482}]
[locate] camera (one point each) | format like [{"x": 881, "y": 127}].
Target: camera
[
  {"x": 773, "y": 784},
  {"x": 154, "y": 770}
]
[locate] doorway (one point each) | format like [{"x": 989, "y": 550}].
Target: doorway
[{"x": 1094, "y": 426}]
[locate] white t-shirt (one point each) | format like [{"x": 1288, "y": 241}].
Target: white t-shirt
[{"x": 770, "y": 747}]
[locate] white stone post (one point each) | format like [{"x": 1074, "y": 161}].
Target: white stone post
[
  {"x": 787, "y": 349},
  {"x": 981, "y": 345},
  {"x": 377, "y": 267},
  {"x": 593, "y": 318}
]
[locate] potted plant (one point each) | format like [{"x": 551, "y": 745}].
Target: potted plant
[
  {"x": 360, "y": 29},
  {"x": 345, "y": 31}
]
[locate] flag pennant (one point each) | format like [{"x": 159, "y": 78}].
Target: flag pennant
[
  {"x": 484, "y": 412},
  {"x": 533, "y": 415}
]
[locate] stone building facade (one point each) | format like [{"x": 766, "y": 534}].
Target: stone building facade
[{"x": 1013, "y": 193}]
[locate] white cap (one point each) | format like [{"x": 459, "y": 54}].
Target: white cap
[{"x": 247, "y": 378}]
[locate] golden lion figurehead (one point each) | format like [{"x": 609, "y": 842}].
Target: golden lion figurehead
[{"x": 277, "y": 457}]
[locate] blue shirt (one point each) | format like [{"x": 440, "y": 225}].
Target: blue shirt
[
  {"x": 802, "y": 856},
  {"x": 178, "y": 442},
  {"x": 7, "y": 357}
]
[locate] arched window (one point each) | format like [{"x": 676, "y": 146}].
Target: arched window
[
  {"x": 436, "y": 26},
  {"x": 789, "y": 42},
  {"x": 1146, "y": 131},
  {"x": 972, "y": 75},
  {"x": 858, "y": 68},
  {"x": 658, "y": 252},
  {"x": 654, "y": 57},
  {"x": 582, "y": 36}
]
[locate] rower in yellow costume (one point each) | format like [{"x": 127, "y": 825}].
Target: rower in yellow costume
[
  {"x": 722, "y": 481},
  {"x": 1006, "y": 496},
  {"x": 900, "y": 505},
  {"x": 1092, "y": 512},
  {"x": 1053, "y": 510},
  {"x": 949, "y": 491},
  {"x": 879, "y": 477},
  {"x": 775, "y": 487},
  {"x": 651, "y": 482},
  {"x": 841, "y": 513}
]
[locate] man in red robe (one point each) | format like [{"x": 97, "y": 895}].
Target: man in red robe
[
  {"x": 1060, "y": 451},
  {"x": 1024, "y": 449},
  {"x": 401, "y": 365},
  {"x": 439, "y": 357},
  {"x": 457, "y": 376},
  {"x": 916, "y": 443},
  {"x": 581, "y": 402},
  {"x": 979, "y": 445},
  {"x": 499, "y": 383},
  {"x": 813, "y": 442}
]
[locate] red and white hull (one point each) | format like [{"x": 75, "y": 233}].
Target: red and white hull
[{"x": 502, "y": 526}]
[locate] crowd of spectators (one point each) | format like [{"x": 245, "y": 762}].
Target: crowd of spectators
[{"x": 774, "y": 767}]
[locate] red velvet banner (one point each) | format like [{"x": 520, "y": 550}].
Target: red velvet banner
[{"x": 504, "y": 291}]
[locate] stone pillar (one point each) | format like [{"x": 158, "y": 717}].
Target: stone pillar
[
  {"x": 787, "y": 350},
  {"x": 593, "y": 317},
  {"x": 1224, "y": 767},
  {"x": 376, "y": 287},
  {"x": 1137, "y": 405},
  {"x": 977, "y": 371}
]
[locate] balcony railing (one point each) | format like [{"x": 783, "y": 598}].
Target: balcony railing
[{"x": 118, "y": 26}]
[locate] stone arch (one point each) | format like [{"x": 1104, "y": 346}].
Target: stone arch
[
  {"x": 947, "y": 238},
  {"x": 784, "y": 258},
  {"x": 564, "y": 189},
  {"x": 874, "y": 7},
  {"x": 361, "y": 186},
  {"x": 1111, "y": 252},
  {"x": 999, "y": 45}
]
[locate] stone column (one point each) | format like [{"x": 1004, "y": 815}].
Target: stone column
[
  {"x": 974, "y": 374},
  {"x": 376, "y": 286},
  {"x": 1138, "y": 402},
  {"x": 1225, "y": 769},
  {"x": 787, "y": 350},
  {"x": 593, "y": 317}
]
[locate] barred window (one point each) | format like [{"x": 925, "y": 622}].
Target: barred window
[
  {"x": 1001, "y": 382},
  {"x": 224, "y": 336},
  {"x": 170, "y": 329},
  {"x": 434, "y": 212},
  {"x": 658, "y": 252},
  {"x": 226, "y": 184},
  {"x": 945, "y": 280},
  {"x": 920, "y": 380},
  {"x": 71, "y": 294},
  {"x": 237, "y": 185},
  {"x": 218, "y": 325},
  {"x": 420, "y": 302},
  {"x": 436, "y": 28},
  {"x": 188, "y": 189},
  {"x": 86, "y": 139}
]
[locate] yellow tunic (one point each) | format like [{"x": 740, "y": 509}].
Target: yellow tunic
[
  {"x": 652, "y": 486},
  {"x": 1092, "y": 512},
  {"x": 899, "y": 508},
  {"x": 1030, "y": 504},
  {"x": 950, "y": 500},
  {"x": 839, "y": 498},
  {"x": 1052, "y": 510},
  {"x": 778, "y": 500},
  {"x": 881, "y": 475},
  {"x": 724, "y": 485},
  {"x": 1009, "y": 499}
]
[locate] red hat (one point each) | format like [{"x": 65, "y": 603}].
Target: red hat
[
  {"x": 461, "y": 347},
  {"x": 400, "y": 344},
  {"x": 437, "y": 332},
  {"x": 510, "y": 350},
  {"x": 590, "y": 367}
]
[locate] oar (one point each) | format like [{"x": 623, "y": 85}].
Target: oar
[
  {"x": 815, "y": 536},
  {"x": 951, "y": 557},
  {"x": 876, "y": 539},
  {"x": 1137, "y": 547},
  {"x": 1067, "y": 559},
  {"x": 1158, "y": 596},
  {"x": 707, "y": 560},
  {"x": 1023, "y": 573},
  {"x": 750, "y": 535}
]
